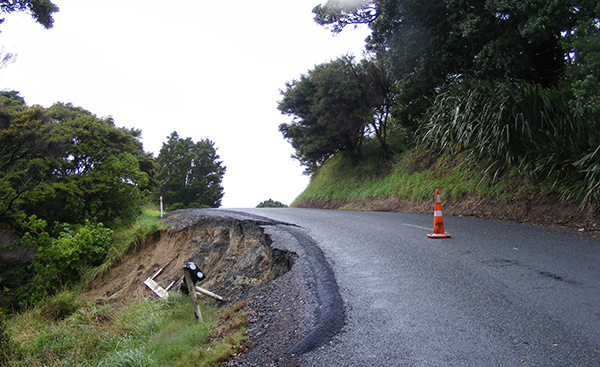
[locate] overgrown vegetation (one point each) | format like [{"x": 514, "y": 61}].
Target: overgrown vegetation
[
  {"x": 509, "y": 90},
  {"x": 67, "y": 256},
  {"x": 413, "y": 175},
  {"x": 69, "y": 330}
]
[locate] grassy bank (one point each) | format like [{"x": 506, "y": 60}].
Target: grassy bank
[{"x": 413, "y": 175}]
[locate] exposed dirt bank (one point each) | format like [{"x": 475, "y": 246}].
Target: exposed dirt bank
[
  {"x": 242, "y": 263},
  {"x": 235, "y": 256},
  {"x": 533, "y": 208}
]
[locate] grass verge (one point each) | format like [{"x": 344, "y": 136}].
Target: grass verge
[{"x": 150, "y": 332}]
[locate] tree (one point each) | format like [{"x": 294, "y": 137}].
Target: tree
[
  {"x": 40, "y": 10},
  {"x": 83, "y": 185},
  {"x": 64, "y": 164},
  {"x": 584, "y": 67},
  {"x": 378, "y": 94},
  {"x": 271, "y": 204},
  {"x": 428, "y": 43},
  {"x": 329, "y": 112},
  {"x": 26, "y": 152},
  {"x": 190, "y": 173},
  {"x": 335, "y": 107}
]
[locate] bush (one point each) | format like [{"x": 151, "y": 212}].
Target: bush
[
  {"x": 61, "y": 260},
  {"x": 271, "y": 204}
]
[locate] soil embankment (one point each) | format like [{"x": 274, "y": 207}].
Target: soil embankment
[{"x": 235, "y": 256}]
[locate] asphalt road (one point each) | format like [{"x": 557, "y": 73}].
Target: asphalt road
[{"x": 494, "y": 294}]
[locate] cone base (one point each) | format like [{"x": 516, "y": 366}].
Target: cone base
[{"x": 438, "y": 235}]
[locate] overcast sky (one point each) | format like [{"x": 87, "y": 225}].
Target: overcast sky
[{"x": 206, "y": 69}]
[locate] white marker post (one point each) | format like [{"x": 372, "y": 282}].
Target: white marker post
[{"x": 161, "y": 207}]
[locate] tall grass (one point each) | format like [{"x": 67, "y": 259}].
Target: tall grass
[{"x": 146, "y": 333}]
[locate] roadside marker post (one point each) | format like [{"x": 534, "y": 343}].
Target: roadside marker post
[
  {"x": 187, "y": 273},
  {"x": 438, "y": 220},
  {"x": 161, "y": 207}
]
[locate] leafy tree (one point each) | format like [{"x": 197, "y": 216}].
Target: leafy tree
[
  {"x": 584, "y": 67},
  {"x": 40, "y": 10},
  {"x": 378, "y": 95},
  {"x": 335, "y": 106},
  {"x": 190, "y": 173},
  {"x": 26, "y": 152},
  {"x": 84, "y": 184},
  {"x": 428, "y": 43},
  {"x": 66, "y": 165},
  {"x": 328, "y": 109}
]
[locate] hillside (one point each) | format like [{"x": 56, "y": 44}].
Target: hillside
[{"x": 408, "y": 182}]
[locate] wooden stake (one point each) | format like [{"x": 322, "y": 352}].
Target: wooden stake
[
  {"x": 209, "y": 293},
  {"x": 192, "y": 293}
]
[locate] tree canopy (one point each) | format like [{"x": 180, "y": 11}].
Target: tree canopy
[
  {"x": 189, "y": 173},
  {"x": 40, "y": 10},
  {"x": 334, "y": 106},
  {"x": 65, "y": 164},
  {"x": 428, "y": 43}
]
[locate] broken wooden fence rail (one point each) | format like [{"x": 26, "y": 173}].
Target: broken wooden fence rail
[{"x": 191, "y": 274}]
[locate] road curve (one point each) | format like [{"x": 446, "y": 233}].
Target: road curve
[{"x": 494, "y": 294}]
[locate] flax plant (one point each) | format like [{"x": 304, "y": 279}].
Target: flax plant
[{"x": 507, "y": 125}]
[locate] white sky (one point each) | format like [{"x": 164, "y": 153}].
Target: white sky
[{"x": 206, "y": 69}]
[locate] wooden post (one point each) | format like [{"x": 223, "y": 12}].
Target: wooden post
[
  {"x": 209, "y": 293},
  {"x": 192, "y": 293}
]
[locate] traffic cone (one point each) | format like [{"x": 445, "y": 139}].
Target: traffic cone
[{"x": 438, "y": 220}]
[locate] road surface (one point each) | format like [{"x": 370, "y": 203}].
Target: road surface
[{"x": 494, "y": 294}]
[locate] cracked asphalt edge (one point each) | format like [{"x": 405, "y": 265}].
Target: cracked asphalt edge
[{"x": 329, "y": 312}]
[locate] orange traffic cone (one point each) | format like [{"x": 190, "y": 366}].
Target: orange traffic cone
[{"x": 438, "y": 220}]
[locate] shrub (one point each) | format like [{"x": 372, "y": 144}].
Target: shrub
[
  {"x": 271, "y": 204},
  {"x": 61, "y": 260}
]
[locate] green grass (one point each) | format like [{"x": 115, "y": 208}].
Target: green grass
[
  {"x": 414, "y": 175},
  {"x": 147, "y": 333}
]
